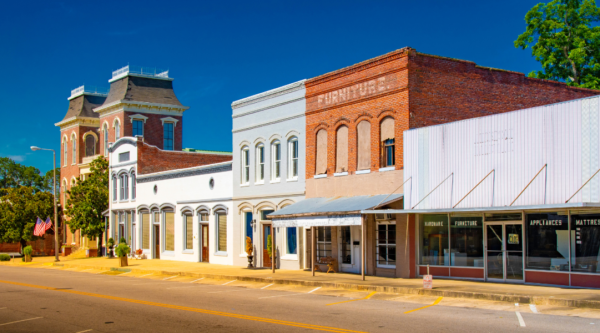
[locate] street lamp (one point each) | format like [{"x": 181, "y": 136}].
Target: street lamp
[{"x": 34, "y": 148}]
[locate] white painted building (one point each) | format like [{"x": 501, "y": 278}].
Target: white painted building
[{"x": 178, "y": 214}]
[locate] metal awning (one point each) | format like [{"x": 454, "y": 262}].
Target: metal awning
[
  {"x": 575, "y": 205},
  {"x": 329, "y": 211}
]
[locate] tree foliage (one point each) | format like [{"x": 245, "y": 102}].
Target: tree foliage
[
  {"x": 564, "y": 37},
  {"x": 19, "y": 209},
  {"x": 88, "y": 199},
  {"x": 14, "y": 175}
]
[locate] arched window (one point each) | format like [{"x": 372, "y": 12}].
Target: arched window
[
  {"x": 117, "y": 129},
  {"x": 245, "y": 165},
  {"x": 90, "y": 145},
  {"x": 275, "y": 160},
  {"x": 114, "y": 186},
  {"x": 363, "y": 133},
  {"x": 74, "y": 143},
  {"x": 260, "y": 163},
  {"x": 292, "y": 158},
  {"x": 105, "y": 140},
  {"x": 65, "y": 151},
  {"x": 341, "y": 154},
  {"x": 388, "y": 157},
  {"x": 124, "y": 186},
  {"x": 321, "y": 164},
  {"x": 64, "y": 190},
  {"x": 133, "y": 185}
]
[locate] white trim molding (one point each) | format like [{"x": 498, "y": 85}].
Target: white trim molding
[
  {"x": 169, "y": 120},
  {"x": 138, "y": 117}
]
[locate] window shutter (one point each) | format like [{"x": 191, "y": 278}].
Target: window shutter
[
  {"x": 145, "y": 231},
  {"x": 169, "y": 231},
  {"x": 189, "y": 232},
  {"x": 222, "y": 246}
]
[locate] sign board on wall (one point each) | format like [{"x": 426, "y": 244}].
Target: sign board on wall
[
  {"x": 319, "y": 221},
  {"x": 427, "y": 281}
]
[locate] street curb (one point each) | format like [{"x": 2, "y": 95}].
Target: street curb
[{"x": 538, "y": 300}]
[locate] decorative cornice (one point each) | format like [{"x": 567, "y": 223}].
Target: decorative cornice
[
  {"x": 182, "y": 174},
  {"x": 142, "y": 107},
  {"x": 121, "y": 142},
  {"x": 269, "y": 94},
  {"x": 87, "y": 121},
  {"x": 272, "y": 106},
  {"x": 269, "y": 123},
  {"x": 358, "y": 67}
]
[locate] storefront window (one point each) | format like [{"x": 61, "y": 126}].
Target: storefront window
[
  {"x": 323, "y": 242},
  {"x": 585, "y": 247},
  {"x": 434, "y": 243},
  {"x": 386, "y": 244},
  {"x": 547, "y": 242},
  {"x": 466, "y": 241}
]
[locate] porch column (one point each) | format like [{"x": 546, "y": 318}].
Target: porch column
[
  {"x": 273, "y": 248},
  {"x": 313, "y": 254},
  {"x": 362, "y": 246}
]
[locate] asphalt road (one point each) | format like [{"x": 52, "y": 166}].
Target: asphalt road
[{"x": 52, "y": 300}]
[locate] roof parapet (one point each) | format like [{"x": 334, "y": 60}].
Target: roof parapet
[
  {"x": 88, "y": 90},
  {"x": 149, "y": 72}
]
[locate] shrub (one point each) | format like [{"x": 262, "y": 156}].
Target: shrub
[
  {"x": 248, "y": 245},
  {"x": 122, "y": 250},
  {"x": 122, "y": 240},
  {"x": 28, "y": 250},
  {"x": 111, "y": 242},
  {"x": 4, "y": 257}
]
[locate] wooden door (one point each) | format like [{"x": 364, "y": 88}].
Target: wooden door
[
  {"x": 157, "y": 242},
  {"x": 308, "y": 248},
  {"x": 204, "y": 242},
  {"x": 266, "y": 233}
]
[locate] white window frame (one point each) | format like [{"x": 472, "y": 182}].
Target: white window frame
[
  {"x": 216, "y": 215},
  {"x": 169, "y": 121},
  {"x": 187, "y": 217},
  {"x": 66, "y": 151},
  {"x": 117, "y": 126},
  {"x": 133, "y": 122},
  {"x": 377, "y": 244},
  {"x": 320, "y": 244},
  {"x": 105, "y": 140},
  {"x": 133, "y": 185},
  {"x": 290, "y": 158},
  {"x": 290, "y": 256},
  {"x": 260, "y": 165},
  {"x": 275, "y": 163},
  {"x": 114, "y": 188},
  {"x": 74, "y": 149},
  {"x": 245, "y": 165},
  {"x": 124, "y": 187}
]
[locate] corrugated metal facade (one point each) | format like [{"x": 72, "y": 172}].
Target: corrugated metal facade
[{"x": 515, "y": 145}]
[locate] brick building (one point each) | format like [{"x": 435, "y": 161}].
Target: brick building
[{"x": 355, "y": 118}]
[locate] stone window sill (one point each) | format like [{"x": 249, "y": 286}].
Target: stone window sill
[
  {"x": 340, "y": 174},
  {"x": 362, "y": 172},
  {"x": 391, "y": 168},
  {"x": 320, "y": 176}
]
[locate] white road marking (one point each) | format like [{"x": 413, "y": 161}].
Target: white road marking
[
  {"x": 533, "y": 308},
  {"x": 146, "y": 275},
  {"x": 197, "y": 280},
  {"x": 170, "y": 277},
  {"x": 182, "y": 287},
  {"x": 281, "y": 295},
  {"x": 84, "y": 331},
  {"x": 310, "y": 292},
  {"x": 225, "y": 291},
  {"x": 228, "y": 282},
  {"x": 267, "y": 286},
  {"x": 102, "y": 272},
  {"x": 18, "y": 321},
  {"x": 521, "y": 321},
  {"x": 124, "y": 273}
]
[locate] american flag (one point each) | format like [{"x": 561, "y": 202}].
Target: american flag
[
  {"x": 40, "y": 228},
  {"x": 48, "y": 224}
]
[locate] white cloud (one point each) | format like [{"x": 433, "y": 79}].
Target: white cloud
[{"x": 17, "y": 158}]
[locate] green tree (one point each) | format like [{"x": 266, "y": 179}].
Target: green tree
[
  {"x": 564, "y": 37},
  {"x": 88, "y": 199},
  {"x": 19, "y": 209},
  {"x": 13, "y": 175}
]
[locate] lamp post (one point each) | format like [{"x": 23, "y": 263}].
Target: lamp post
[{"x": 34, "y": 148}]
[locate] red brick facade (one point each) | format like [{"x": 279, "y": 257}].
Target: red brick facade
[
  {"x": 150, "y": 159},
  {"x": 416, "y": 90}
]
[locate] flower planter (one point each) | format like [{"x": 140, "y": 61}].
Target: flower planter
[
  {"x": 66, "y": 251},
  {"x": 91, "y": 253},
  {"x": 28, "y": 258},
  {"x": 250, "y": 261},
  {"x": 123, "y": 261}
]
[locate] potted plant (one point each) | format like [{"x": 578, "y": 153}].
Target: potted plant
[
  {"x": 270, "y": 247},
  {"x": 122, "y": 240},
  {"x": 122, "y": 251},
  {"x": 249, "y": 251},
  {"x": 27, "y": 251},
  {"x": 138, "y": 253},
  {"x": 110, "y": 243}
]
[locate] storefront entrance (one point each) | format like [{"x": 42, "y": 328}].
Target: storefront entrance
[
  {"x": 156, "y": 241},
  {"x": 349, "y": 249},
  {"x": 266, "y": 233},
  {"x": 204, "y": 242},
  {"x": 504, "y": 251}
]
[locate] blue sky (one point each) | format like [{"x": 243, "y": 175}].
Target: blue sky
[{"x": 221, "y": 51}]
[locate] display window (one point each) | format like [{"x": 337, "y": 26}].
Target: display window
[
  {"x": 466, "y": 241},
  {"x": 585, "y": 243},
  {"x": 547, "y": 241},
  {"x": 434, "y": 240}
]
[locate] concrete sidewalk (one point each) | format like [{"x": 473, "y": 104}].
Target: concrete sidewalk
[{"x": 517, "y": 293}]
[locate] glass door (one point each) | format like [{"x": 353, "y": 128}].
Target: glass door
[{"x": 504, "y": 252}]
